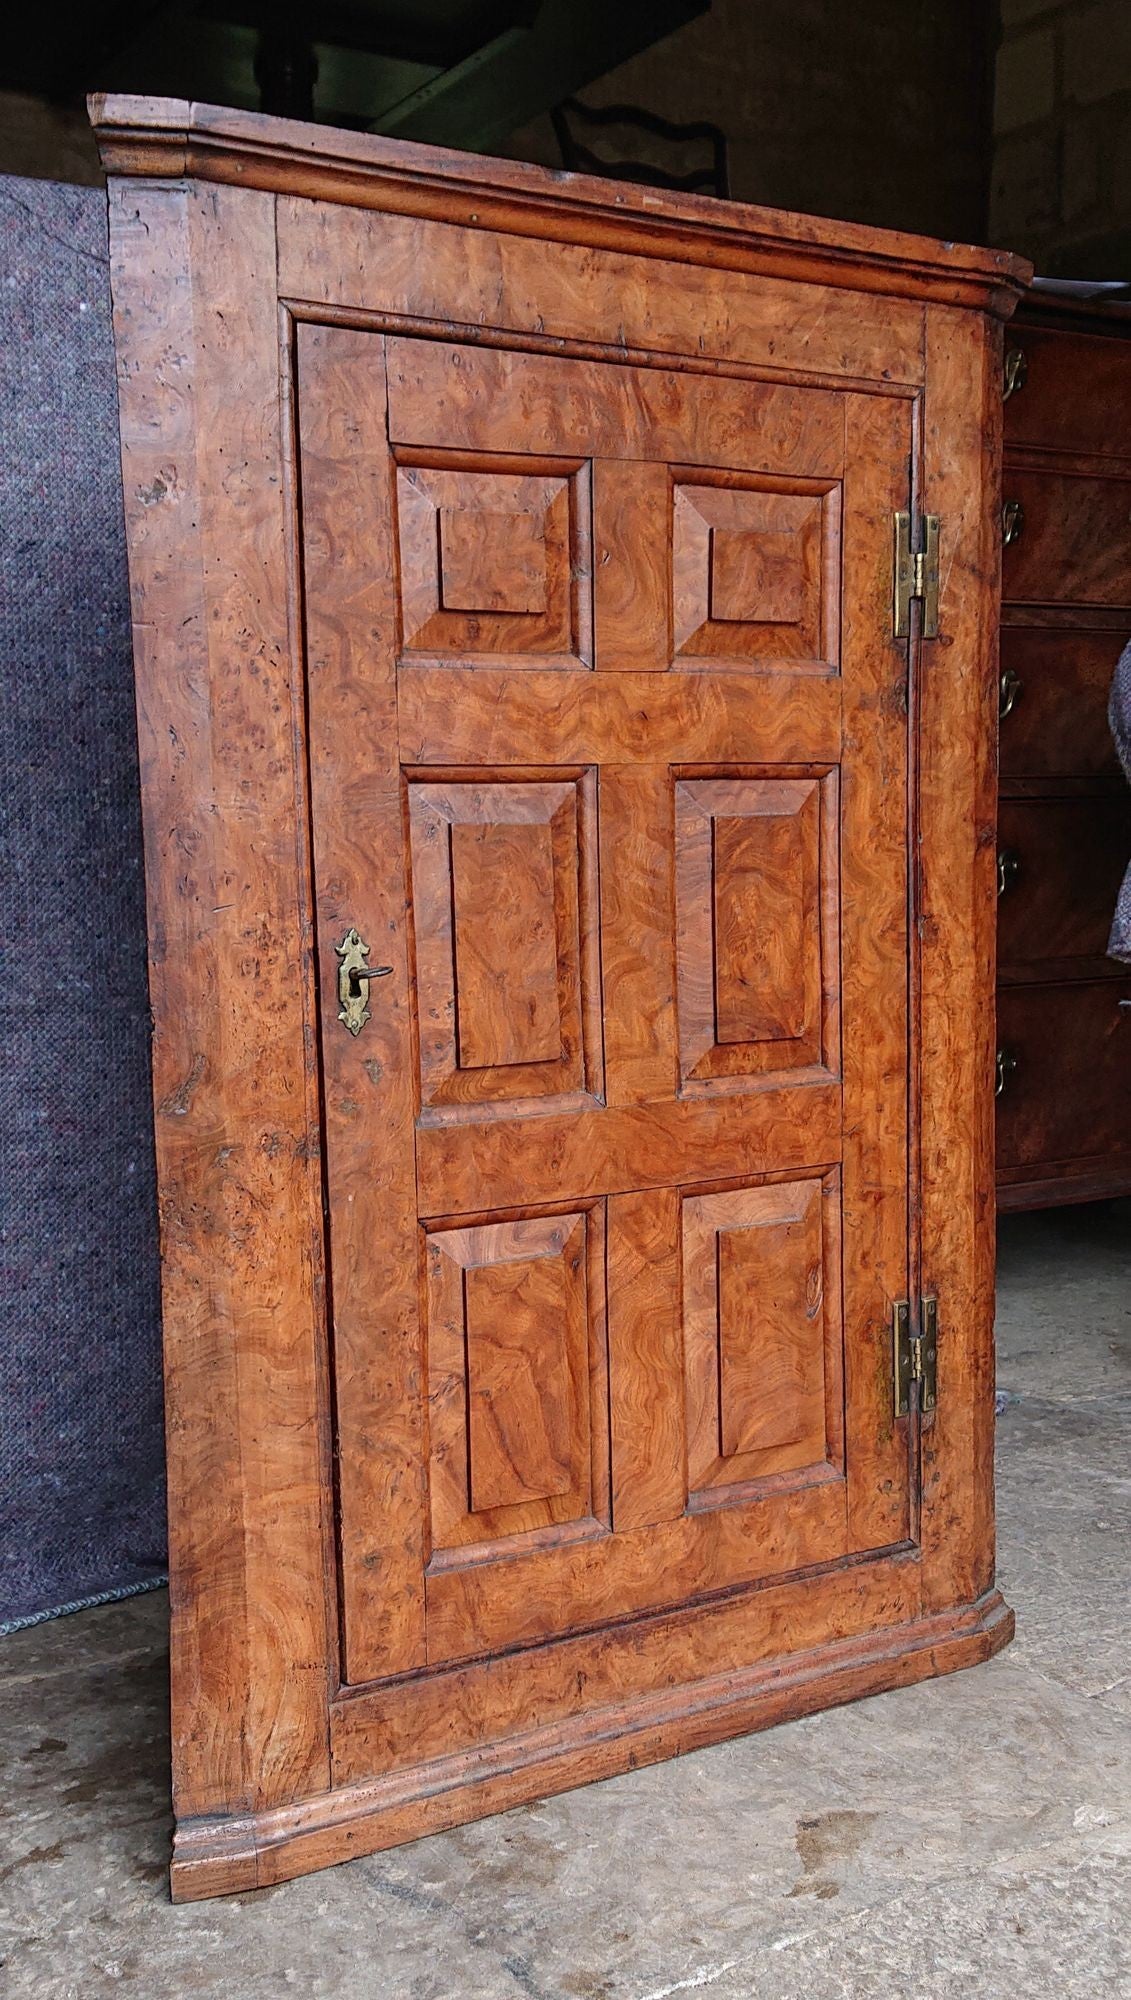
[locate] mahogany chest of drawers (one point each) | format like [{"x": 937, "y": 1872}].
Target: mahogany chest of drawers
[
  {"x": 1064, "y": 817},
  {"x": 565, "y": 631}
]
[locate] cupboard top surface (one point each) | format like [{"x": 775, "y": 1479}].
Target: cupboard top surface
[{"x": 171, "y": 138}]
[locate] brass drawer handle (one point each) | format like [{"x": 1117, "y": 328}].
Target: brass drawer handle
[
  {"x": 353, "y": 981},
  {"x": 1012, "y": 522},
  {"x": 1009, "y": 692},
  {"x": 1004, "y": 1066},
  {"x": 1008, "y": 869},
  {"x": 1015, "y": 372}
]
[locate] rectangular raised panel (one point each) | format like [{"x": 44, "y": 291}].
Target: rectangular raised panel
[
  {"x": 763, "y": 576},
  {"x": 495, "y": 562},
  {"x": 505, "y": 939},
  {"x": 756, "y": 923},
  {"x": 516, "y": 1374},
  {"x": 522, "y": 1414},
  {"x": 491, "y": 561},
  {"x": 761, "y": 1335},
  {"x": 754, "y": 571},
  {"x": 764, "y": 880},
  {"x": 508, "y": 1004}
]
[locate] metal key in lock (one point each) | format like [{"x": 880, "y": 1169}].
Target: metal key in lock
[{"x": 353, "y": 978}]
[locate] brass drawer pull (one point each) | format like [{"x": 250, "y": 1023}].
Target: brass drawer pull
[
  {"x": 1012, "y": 522},
  {"x": 1008, "y": 869},
  {"x": 353, "y": 981},
  {"x": 1009, "y": 692},
  {"x": 1015, "y": 372},
  {"x": 1004, "y": 1066}
]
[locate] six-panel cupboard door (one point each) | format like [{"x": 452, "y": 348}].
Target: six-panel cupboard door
[{"x": 608, "y": 765}]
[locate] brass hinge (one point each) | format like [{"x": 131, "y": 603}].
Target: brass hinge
[
  {"x": 916, "y": 575},
  {"x": 915, "y": 1354}
]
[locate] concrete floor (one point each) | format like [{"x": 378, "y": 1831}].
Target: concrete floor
[{"x": 969, "y": 1837}]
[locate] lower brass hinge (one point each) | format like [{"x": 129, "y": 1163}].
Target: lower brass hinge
[
  {"x": 916, "y": 576},
  {"x": 915, "y": 1354}
]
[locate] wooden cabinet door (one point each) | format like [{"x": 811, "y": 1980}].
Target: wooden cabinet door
[{"x": 608, "y": 762}]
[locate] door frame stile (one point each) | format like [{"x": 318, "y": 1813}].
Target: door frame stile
[
  {"x": 291, "y": 459},
  {"x": 956, "y": 944}
]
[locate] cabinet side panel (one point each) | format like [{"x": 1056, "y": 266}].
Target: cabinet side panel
[
  {"x": 957, "y": 913},
  {"x": 196, "y": 330}
]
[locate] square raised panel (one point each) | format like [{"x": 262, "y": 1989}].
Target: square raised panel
[
  {"x": 761, "y": 1331},
  {"x": 495, "y": 563},
  {"x": 504, "y": 907},
  {"x": 756, "y": 925},
  {"x": 492, "y": 562},
  {"x": 754, "y": 571},
  {"x": 516, "y": 1376}
]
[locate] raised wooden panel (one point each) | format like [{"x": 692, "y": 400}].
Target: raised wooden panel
[
  {"x": 762, "y": 980},
  {"x": 761, "y": 1332},
  {"x": 504, "y": 902},
  {"x": 516, "y": 1377},
  {"x": 755, "y": 924},
  {"x": 754, "y": 570},
  {"x": 503, "y": 922},
  {"x": 495, "y": 562},
  {"x": 522, "y": 1411}
]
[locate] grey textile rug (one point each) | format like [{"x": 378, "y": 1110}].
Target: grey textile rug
[{"x": 81, "y": 1472}]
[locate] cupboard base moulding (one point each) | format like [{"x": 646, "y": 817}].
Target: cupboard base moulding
[{"x": 226, "y": 1855}]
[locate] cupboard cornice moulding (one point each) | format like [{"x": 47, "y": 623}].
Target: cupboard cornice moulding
[{"x": 171, "y": 138}]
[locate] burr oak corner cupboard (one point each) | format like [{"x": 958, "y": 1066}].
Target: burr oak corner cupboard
[{"x": 565, "y": 644}]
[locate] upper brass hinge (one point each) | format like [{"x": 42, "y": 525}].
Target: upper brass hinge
[
  {"x": 916, "y": 575},
  {"x": 915, "y": 1354}
]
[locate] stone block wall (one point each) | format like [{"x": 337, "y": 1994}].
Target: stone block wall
[
  {"x": 1061, "y": 185},
  {"x": 876, "y": 113}
]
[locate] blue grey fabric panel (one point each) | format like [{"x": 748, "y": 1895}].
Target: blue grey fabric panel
[{"x": 81, "y": 1471}]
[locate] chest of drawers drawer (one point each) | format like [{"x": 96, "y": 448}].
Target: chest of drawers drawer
[
  {"x": 1060, "y": 864},
  {"x": 1064, "y": 816},
  {"x": 1053, "y": 700},
  {"x": 1064, "y": 1067},
  {"x": 1069, "y": 537}
]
